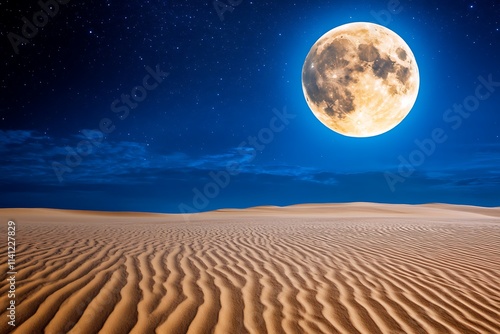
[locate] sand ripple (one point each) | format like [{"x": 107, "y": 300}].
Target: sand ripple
[{"x": 256, "y": 274}]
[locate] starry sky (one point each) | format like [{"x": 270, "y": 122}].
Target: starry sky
[{"x": 188, "y": 106}]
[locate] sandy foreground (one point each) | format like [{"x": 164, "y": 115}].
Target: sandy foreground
[{"x": 343, "y": 268}]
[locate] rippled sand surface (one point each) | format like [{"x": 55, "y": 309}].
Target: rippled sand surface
[{"x": 345, "y": 268}]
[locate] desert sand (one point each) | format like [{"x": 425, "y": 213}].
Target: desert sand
[{"x": 318, "y": 268}]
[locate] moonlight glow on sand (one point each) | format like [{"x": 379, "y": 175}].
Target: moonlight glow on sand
[{"x": 360, "y": 79}]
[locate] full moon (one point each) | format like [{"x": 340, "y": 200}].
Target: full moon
[{"x": 360, "y": 79}]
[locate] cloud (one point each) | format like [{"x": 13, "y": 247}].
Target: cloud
[
  {"x": 8, "y": 137},
  {"x": 238, "y": 155},
  {"x": 29, "y": 157},
  {"x": 127, "y": 168},
  {"x": 324, "y": 178}
]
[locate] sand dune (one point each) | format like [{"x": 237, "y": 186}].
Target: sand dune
[{"x": 340, "y": 268}]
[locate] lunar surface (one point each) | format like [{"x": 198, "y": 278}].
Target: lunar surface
[{"x": 360, "y": 79}]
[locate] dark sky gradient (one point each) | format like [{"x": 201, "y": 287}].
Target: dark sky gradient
[{"x": 228, "y": 80}]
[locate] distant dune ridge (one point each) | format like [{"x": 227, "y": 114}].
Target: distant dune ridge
[{"x": 315, "y": 268}]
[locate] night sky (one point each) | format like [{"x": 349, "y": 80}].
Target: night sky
[{"x": 170, "y": 106}]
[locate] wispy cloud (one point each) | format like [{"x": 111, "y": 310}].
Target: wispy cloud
[{"x": 27, "y": 156}]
